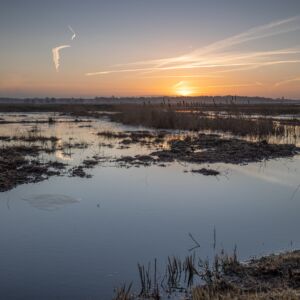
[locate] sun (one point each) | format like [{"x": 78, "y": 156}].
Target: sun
[
  {"x": 184, "y": 92},
  {"x": 182, "y": 88}
]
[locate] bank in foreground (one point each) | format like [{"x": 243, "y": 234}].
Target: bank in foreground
[{"x": 276, "y": 276}]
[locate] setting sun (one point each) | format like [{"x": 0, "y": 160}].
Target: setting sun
[
  {"x": 183, "y": 88},
  {"x": 184, "y": 92}
]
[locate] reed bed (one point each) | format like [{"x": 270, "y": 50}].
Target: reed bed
[{"x": 168, "y": 118}]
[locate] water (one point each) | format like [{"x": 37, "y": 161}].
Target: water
[{"x": 74, "y": 238}]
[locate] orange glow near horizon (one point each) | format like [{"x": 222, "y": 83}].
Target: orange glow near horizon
[
  {"x": 184, "y": 92},
  {"x": 221, "y": 67},
  {"x": 183, "y": 88}
]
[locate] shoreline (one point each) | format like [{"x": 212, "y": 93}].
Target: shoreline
[{"x": 273, "y": 276}]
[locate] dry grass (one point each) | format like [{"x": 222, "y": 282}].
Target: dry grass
[
  {"x": 270, "y": 277},
  {"x": 207, "y": 294},
  {"x": 167, "y": 118}
]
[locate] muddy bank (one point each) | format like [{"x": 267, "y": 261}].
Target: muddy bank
[
  {"x": 206, "y": 172},
  {"x": 24, "y": 163},
  {"x": 88, "y": 163},
  {"x": 198, "y": 149},
  {"x": 269, "y": 277},
  {"x": 49, "y": 121},
  {"x": 30, "y": 138},
  {"x": 20, "y": 164},
  {"x": 142, "y": 137},
  {"x": 211, "y": 148}
]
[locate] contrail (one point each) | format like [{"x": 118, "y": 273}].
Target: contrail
[
  {"x": 74, "y": 34},
  {"x": 56, "y": 56}
]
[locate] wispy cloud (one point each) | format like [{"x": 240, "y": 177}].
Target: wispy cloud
[
  {"x": 214, "y": 57},
  {"x": 296, "y": 79},
  {"x": 233, "y": 85},
  {"x": 185, "y": 76},
  {"x": 56, "y": 55},
  {"x": 74, "y": 34},
  {"x": 179, "y": 84}
]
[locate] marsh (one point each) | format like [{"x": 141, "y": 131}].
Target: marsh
[{"x": 82, "y": 236}]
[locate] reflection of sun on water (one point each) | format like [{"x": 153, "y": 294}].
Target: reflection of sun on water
[{"x": 60, "y": 153}]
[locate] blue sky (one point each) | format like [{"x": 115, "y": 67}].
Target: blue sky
[{"x": 110, "y": 33}]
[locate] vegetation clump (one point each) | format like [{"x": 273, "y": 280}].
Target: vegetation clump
[
  {"x": 270, "y": 277},
  {"x": 16, "y": 167}
]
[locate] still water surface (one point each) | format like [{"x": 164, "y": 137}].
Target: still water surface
[{"x": 74, "y": 238}]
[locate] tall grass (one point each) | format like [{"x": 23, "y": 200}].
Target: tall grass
[{"x": 168, "y": 118}]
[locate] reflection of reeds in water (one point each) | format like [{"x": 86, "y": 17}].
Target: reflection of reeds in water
[
  {"x": 148, "y": 281},
  {"x": 190, "y": 270},
  {"x": 215, "y": 238},
  {"x": 180, "y": 275},
  {"x": 123, "y": 293},
  {"x": 173, "y": 272}
]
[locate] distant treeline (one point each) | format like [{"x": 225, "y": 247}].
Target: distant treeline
[{"x": 229, "y": 99}]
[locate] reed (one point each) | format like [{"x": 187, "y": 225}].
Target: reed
[
  {"x": 123, "y": 293},
  {"x": 149, "y": 281},
  {"x": 160, "y": 118}
]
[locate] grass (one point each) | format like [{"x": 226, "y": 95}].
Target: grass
[
  {"x": 248, "y": 109},
  {"x": 31, "y": 136},
  {"x": 208, "y": 294},
  {"x": 183, "y": 116},
  {"x": 63, "y": 108},
  {"x": 160, "y": 118},
  {"x": 223, "y": 278}
]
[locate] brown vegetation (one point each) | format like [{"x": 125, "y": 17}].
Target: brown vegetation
[
  {"x": 206, "y": 148},
  {"x": 16, "y": 168},
  {"x": 161, "y": 118},
  {"x": 270, "y": 277}
]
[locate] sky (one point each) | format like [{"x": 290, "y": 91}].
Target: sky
[{"x": 149, "y": 47}]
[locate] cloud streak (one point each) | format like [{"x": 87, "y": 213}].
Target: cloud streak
[
  {"x": 296, "y": 79},
  {"x": 219, "y": 56},
  {"x": 56, "y": 55}
]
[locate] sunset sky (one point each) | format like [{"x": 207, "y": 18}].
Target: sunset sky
[{"x": 149, "y": 47}]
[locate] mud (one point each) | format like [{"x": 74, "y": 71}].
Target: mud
[
  {"x": 19, "y": 165},
  {"x": 211, "y": 148}
]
